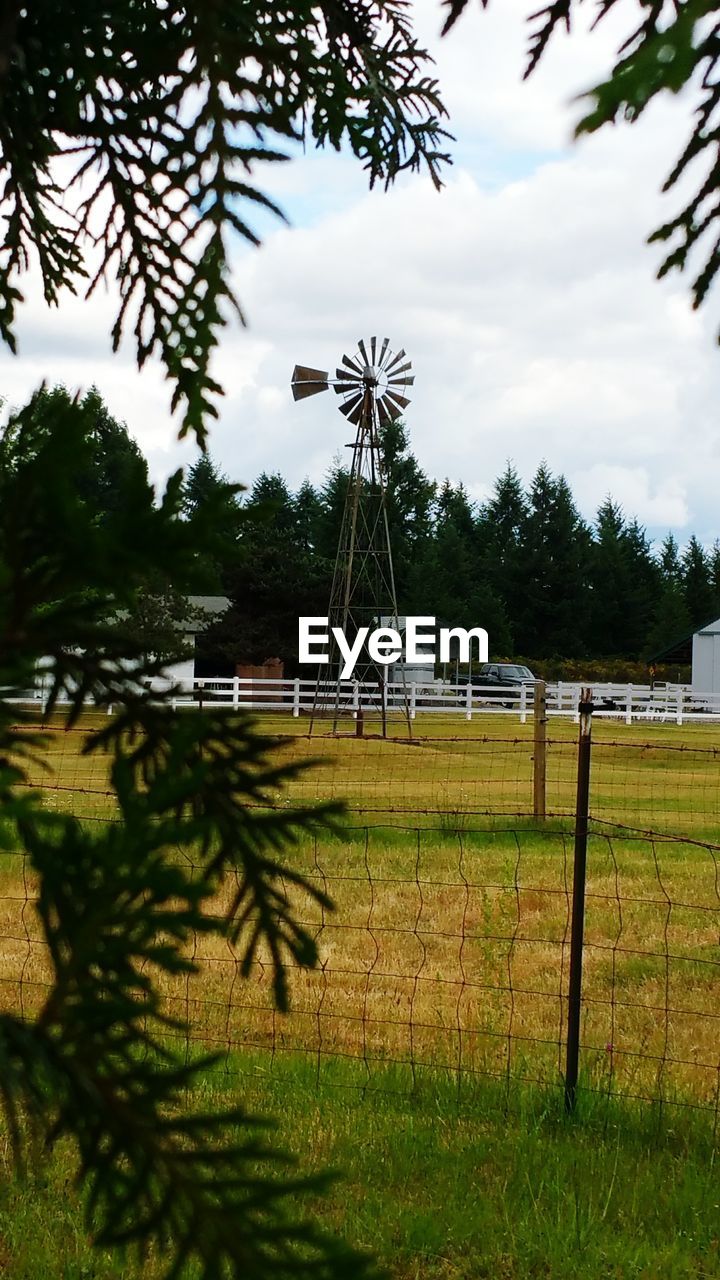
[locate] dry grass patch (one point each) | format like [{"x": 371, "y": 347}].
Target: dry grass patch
[{"x": 453, "y": 953}]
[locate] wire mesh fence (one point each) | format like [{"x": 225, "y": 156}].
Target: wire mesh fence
[
  {"x": 448, "y": 948},
  {"x": 665, "y": 779}
]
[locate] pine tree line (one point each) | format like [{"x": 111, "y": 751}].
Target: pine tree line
[{"x": 543, "y": 581}]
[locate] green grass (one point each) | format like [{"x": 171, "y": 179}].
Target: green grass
[
  {"x": 450, "y": 941},
  {"x": 496, "y": 1184},
  {"x": 504, "y": 1185}
]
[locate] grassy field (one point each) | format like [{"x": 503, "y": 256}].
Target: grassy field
[
  {"x": 506, "y": 1189},
  {"x": 442, "y": 994},
  {"x": 449, "y": 944},
  {"x": 660, "y": 777}
]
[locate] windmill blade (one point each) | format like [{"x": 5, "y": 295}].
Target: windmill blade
[
  {"x": 373, "y": 346},
  {"x": 395, "y": 360},
  {"x": 383, "y": 350},
  {"x": 385, "y": 405},
  {"x": 383, "y": 412},
  {"x": 354, "y": 415},
  {"x": 351, "y": 364},
  {"x": 363, "y": 352},
  {"x": 301, "y": 390},
  {"x": 351, "y": 403},
  {"x": 394, "y": 399},
  {"x": 307, "y": 382},
  {"x": 403, "y": 368},
  {"x": 347, "y": 379},
  {"x": 401, "y": 382}
]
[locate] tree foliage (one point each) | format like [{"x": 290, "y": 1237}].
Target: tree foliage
[
  {"x": 119, "y": 909},
  {"x": 110, "y": 463},
  {"x": 212, "y": 503},
  {"x": 524, "y": 564},
  {"x": 668, "y": 46},
  {"x": 130, "y": 133}
]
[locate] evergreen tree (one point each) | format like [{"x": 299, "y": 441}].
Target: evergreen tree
[
  {"x": 307, "y": 509},
  {"x": 625, "y": 582},
  {"x": 501, "y": 532},
  {"x": 670, "y": 622},
  {"x": 670, "y": 566},
  {"x": 555, "y": 551},
  {"x": 333, "y": 496},
  {"x": 671, "y": 618},
  {"x": 446, "y": 580},
  {"x": 99, "y": 1062},
  {"x": 206, "y": 489},
  {"x": 204, "y": 482},
  {"x": 170, "y": 181},
  {"x": 409, "y": 498},
  {"x": 270, "y": 501},
  {"x": 644, "y": 590},
  {"x": 454, "y": 509},
  {"x": 109, "y": 467},
  {"x": 715, "y": 573},
  {"x": 111, "y": 463},
  {"x": 280, "y": 576},
  {"x": 610, "y": 581},
  {"x": 697, "y": 585}
]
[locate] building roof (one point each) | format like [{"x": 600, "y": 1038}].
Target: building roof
[
  {"x": 213, "y": 606},
  {"x": 680, "y": 649}
]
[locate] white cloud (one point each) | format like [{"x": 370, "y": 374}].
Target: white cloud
[
  {"x": 481, "y": 63},
  {"x": 526, "y": 299},
  {"x": 631, "y": 488}
]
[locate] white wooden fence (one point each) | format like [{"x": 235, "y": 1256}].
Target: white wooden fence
[{"x": 669, "y": 703}]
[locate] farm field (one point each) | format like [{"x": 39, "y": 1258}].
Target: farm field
[
  {"x": 450, "y": 952},
  {"x": 435, "y": 1028},
  {"x": 659, "y": 777},
  {"x": 449, "y": 943}
]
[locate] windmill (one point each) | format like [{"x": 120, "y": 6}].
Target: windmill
[{"x": 370, "y": 385}]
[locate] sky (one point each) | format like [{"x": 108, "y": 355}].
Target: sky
[{"x": 523, "y": 293}]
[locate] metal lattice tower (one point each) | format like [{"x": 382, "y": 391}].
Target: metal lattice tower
[{"x": 371, "y": 386}]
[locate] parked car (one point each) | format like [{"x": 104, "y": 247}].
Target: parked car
[
  {"x": 500, "y": 675},
  {"x": 504, "y": 675},
  {"x": 507, "y": 675}
]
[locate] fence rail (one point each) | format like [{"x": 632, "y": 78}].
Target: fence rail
[{"x": 629, "y": 703}]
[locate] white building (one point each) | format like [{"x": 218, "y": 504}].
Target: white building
[
  {"x": 701, "y": 648},
  {"x": 199, "y": 608},
  {"x": 706, "y": 658}
]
